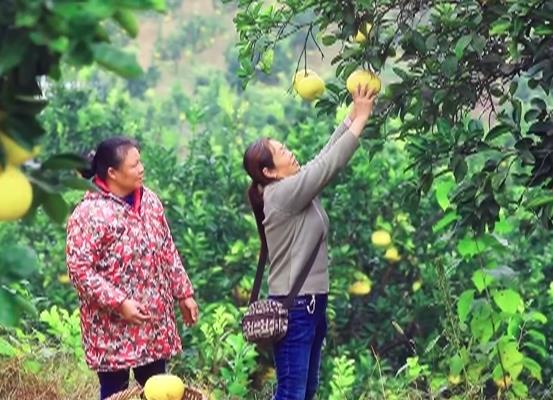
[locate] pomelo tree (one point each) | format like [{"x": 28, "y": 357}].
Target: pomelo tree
[
  {"x": 470, "y": 102},
  {"x": 471, "y": 95},
  {"x": 38, "y": 39}
]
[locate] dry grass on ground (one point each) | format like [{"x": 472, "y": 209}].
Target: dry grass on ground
[{"x": 18, "y": 383}]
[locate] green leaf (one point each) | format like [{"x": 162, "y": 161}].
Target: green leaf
[
  {"x": 543, "y": 30},
  {"x": 87, "y": 12},
  {"x": 6, "y": 348},
  {"x": 445, "y": 221},
  {"x": 461, "y": 45},
  {"x": 127, "y": 20},
  {"x": 469, "y": 247},
  {"x": 32, "y": 366},
  {"x": 517, "y": 111},
  {"x": 508, "y": 301},
  {"x": 116, "y": 60},
  {"x": 55, "y": 206},
  {"x": 59, "y": 45},
  {"x": 442, "y": 190},
  {"x": 536, "y": 316},
  {"x": 77, "y": 183},
  {"x": 237, "y": 389},
  {"x": 500, "y": 26},
  {"x": 497, "y": 131},
  {"x": 541, "y": 350},
  {"x": 13, "y": 49},
  {"x": 18, "y": 261},
  {"x": 267, "y": 60},
  {"x": 481, "y": 325},
  {"x": 533, "y": 367},
  {"x": 541, "y": 127},
  {"x": 511, "y": 358},
  {"x": 65, "y": 161},
  {"x": 27, "y": 17},
  {"x": 481, "y": 280},
  {"x": 503, "y": 226},
  {"x": 9, "y": 315},
  {"x": 328, "y": 40},
  {"x": 478, "y": 43},
  {"x": 419, "y": 42},
  {"x": 537, "y": 336},
  {"x": 449, "y": 66},
  {"x": 459, "y": 167},
  {"x": 520, "y": 390},
  {"x": 540, "y": 201},
  {"x": 464, "y": 305},
  {"x": 12, "y": 307},
  {"x": 531, "y": 115},
  {"x": 456, "y": 365},
  {"x": 444, "y": 127},
  {"x": 539, "y": 103},
  {"x": 158, "y": 5}
]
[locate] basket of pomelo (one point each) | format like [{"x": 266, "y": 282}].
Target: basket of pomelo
[{"x": 161, "y": 387}]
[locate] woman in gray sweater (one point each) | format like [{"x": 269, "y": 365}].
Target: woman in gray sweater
[{"x": 290, "y": 220}]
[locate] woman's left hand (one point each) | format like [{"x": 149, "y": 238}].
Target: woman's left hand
[{"x": 189, "y": 310}]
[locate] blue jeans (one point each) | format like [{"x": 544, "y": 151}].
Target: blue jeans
[
  {"x": 115, "y": 381},
  {"x": 298, "y": 355}
]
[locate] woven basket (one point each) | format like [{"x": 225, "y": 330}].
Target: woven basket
[
  {"x": 189, "y": 394},
  {"x": 127, "y": 394}
]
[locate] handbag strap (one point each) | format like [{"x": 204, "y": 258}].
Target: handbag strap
[
  {"x": 259, "y": 274},
  {"x": 287, "y": 302},
  {"x": 300, "y": 280}
]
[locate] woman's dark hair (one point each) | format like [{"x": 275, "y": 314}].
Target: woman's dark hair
[
  {"x": 258, "y": 156},
  {"x": 110, "y": 153}
]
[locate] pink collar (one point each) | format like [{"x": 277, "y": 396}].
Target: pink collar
[{"x": 104, "y": 187}]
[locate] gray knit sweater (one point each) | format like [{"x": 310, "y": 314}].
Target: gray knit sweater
[{"x": 295, "y": 218}]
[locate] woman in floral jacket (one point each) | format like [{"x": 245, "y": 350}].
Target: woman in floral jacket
[{"x": 127, "y": 272}]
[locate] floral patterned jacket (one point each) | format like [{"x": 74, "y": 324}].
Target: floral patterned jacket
[{"x": 117, "y": 251}]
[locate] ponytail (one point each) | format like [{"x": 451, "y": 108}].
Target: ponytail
[
  {"x": 257, "y": 157},
  {"x": 90, "y": 170},
  {"x": 255, "y": 196}
]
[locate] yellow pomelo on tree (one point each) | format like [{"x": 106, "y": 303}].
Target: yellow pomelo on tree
[
  {"x": 164, "y": 387},
  {"x": 381, "y": 238},
  {"x": 309, "y": 85},
  {"x": 363, "y": 78},
  {"x": 241, "y": 294},
  {"x": 454, "y": 379},
  {"x": 302, "y": 73},
  {"x": 15, "y": 154},
  {"x": 503, "y": 382},
  {"x": 360, "y": 288},
  {"x": 17, "y": 194},
  {"x": 268, "y": 375},
  {"x": 360, "y": 36},
  {"x": 392, "y": 255}
]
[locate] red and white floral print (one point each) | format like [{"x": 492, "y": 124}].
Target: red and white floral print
[{"x": 116, "y": 251}]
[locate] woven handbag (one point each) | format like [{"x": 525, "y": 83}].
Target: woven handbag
[{"x": 266, "y": 321}]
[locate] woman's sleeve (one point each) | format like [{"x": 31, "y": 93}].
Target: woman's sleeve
[
  {"x": 83, "y": 251},
  {"x": 337, "y": 134},
  {"x": 294, "y": 193}
]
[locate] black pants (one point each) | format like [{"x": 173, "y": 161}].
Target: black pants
[{"x": 114, "y": 381}]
